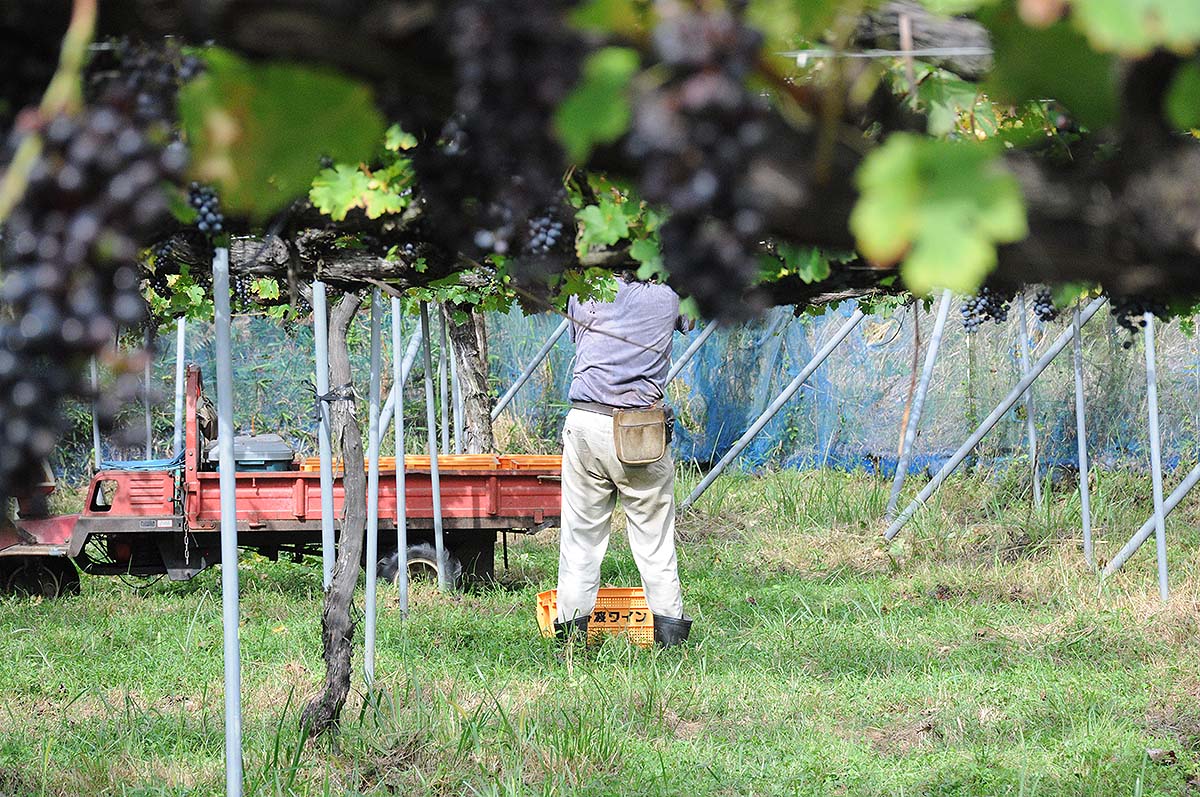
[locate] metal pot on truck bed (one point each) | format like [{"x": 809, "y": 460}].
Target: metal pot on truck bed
[{"x": 154, "y": 518}]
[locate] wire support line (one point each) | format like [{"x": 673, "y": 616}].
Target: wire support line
[{"x": 920, "y": 52}]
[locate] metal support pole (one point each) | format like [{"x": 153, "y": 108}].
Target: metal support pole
[
  {"x": 1085, "y": 500},
  {"x": 1030, "y": 426},
  {"x": 372, "y": 492},
  {"x": 410, "y": 357},
  {"x": 431, "y": 424},
  {"x": 990, "y": 422},
  {"x": 529, "y": 369},
  {"x": 443, "y": 384},
  {"x": 690, "y": 352},
  {"x": 775, "y": 407},
  {"x": 1148, "y": 528},
  {"x": 229, "y": 546},
  {"x": 146, "y": 398},
  {"x": 180, "y": 383},
  {"x": 457, "y": 397},
  {"x": 914, "y": 417},
  {"x": 95, "y": 416},
  {"x": 325, "y": 446},
  {"x": 1160, "y": 529},
  {"x": 401, "y": 504}
]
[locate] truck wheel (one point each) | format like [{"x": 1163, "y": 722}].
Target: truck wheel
[
  {"x": 48, "y": 578},
  {"x": 422, "y": 565}
]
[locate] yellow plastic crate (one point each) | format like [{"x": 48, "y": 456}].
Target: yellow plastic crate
[{"x": 619, "y": 610}]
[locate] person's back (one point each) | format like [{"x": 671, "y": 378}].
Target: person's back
[
  {"x": 623, "y": 354},
  {"x": 623, "y": 347}
]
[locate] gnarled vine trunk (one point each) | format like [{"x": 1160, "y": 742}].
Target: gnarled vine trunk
[
  {"x": 337, "y": 625},
  {"x": 468, "y": 341}
]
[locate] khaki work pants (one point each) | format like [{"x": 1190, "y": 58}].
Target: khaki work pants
[{"x": 592, "y": 478}]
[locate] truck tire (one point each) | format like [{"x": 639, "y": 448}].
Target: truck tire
[
  {"x": 44, "y": 577},
  {"x": 422, "y": 564}
]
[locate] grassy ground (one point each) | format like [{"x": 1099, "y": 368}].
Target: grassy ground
[{"x": 976, "y": 656}]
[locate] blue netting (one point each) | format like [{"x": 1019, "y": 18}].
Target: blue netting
[
  {"x": 850, "y": 412},
  {"x": 848, "y": 415}
]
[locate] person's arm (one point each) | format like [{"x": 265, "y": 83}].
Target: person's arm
[{"x": 572, "y": 313}]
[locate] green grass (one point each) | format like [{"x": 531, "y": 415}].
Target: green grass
[{"x": 977, "y": 655}]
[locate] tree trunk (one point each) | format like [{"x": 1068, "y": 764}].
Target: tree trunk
[
  {"x": 337, "y": 625},
  {"x": 468, "y": 341}
]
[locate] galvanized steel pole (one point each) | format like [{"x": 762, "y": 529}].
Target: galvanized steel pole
[
  {"x": 410, "y": 356},
  {"x": 1160, "y": 528},
  {"x": 372, "y": 491},
  {"x": 180, "y": 383},
  {"x": 457, "y": 397},
  {"x": 229, "y": 543},
  {"x": 529, "y": 369},
  {"x": 690, "y": 352},
  {"x": 95, "y": 415},
  {"x": 324, "y": 445},
  {"x": 914, "y": 416},
  {"x": 1148, "y": 528},
  {"x": 1030, "y": 426},
  {"x": 1085, "y": 501},
  {"x": 990, "y": 422},
  {"x": 401, "y": 503},
  {"x": 443, "y": 384},
  {"x": 431, "y": 424},
  {"x": 775, "y": 406},
  {"x": 146, "y": 377}
]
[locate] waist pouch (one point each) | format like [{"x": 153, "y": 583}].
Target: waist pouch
[{"x": 640, "y": 435}]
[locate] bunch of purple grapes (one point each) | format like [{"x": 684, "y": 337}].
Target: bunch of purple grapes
[
  {"x": 989, "y": 303},
  {"x": 497, "y": 159},
  {"x": 696, "y": 135},
  {"x": 204, "y": 200},
  {"x": 70, "y": 254}
]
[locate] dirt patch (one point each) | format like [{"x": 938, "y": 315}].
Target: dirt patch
[
  {"x": 1176, "y": 718},
  {"x": 680, "y": 727},
  {"x": 902, "y": 739},
  {"x": 696, "y": 527}
]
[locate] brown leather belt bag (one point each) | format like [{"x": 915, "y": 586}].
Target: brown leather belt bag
[{"x": 640, "y": 436}]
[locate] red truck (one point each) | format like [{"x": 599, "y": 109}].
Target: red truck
[{"x": 157, "y": 518}]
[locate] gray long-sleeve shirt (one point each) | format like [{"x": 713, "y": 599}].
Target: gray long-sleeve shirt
[{"x": 623, "y": 347}]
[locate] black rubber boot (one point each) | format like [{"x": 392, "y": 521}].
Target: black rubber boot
[
  {"x": 572, "y": 630},
  {"x": 671, "y": 631}
]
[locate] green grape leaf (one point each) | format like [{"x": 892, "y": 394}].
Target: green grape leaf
[
  {"x": 395, "y": 139},
  {"x": 1054, "y": 62},
  {"x": 809, "y": 263},
  {"x": 266, "y": 288},
  {"x": 602, "y": 224},
  {"x": 648, "y": 252},
  {"x": 597, "y": 111},
  {"x": 1183, "y": 98},
  {"x": 257, "y": 129},
  {"x": 336, "y": 191},
  {"x": 1134, "y": 28},
  {"x": 940, "y": 207},
  {"x": 379, "y": 203},
  {"x": 945, "y": 97}
]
